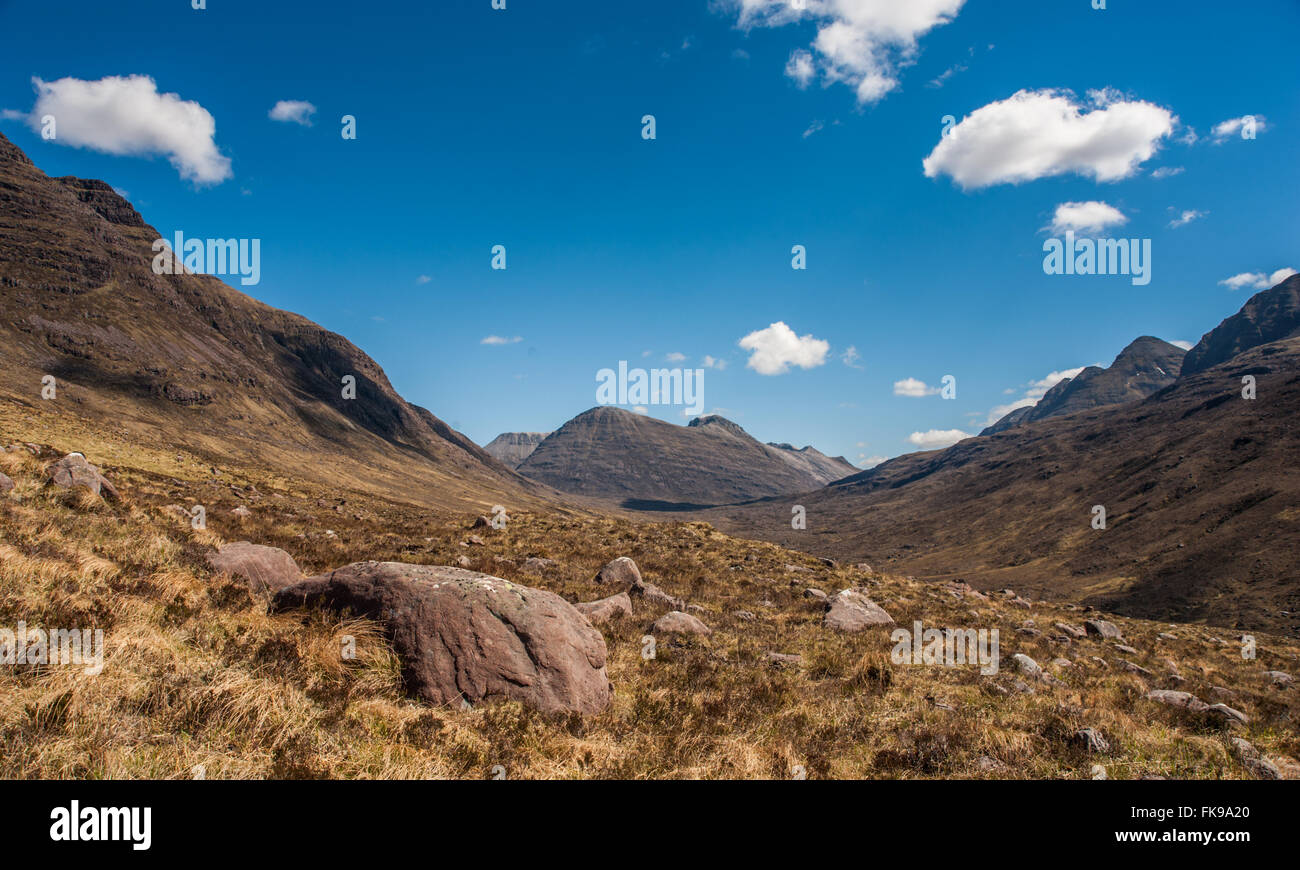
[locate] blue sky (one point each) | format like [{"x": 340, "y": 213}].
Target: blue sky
[{"x": 774, "y": 128}]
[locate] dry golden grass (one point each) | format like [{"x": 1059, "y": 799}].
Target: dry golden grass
[{"x": 200, "y": 680}]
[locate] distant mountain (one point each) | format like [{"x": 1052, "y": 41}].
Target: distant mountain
[
  {"x": 185, "y": 359},
  {"x": 1201, "y": 489},
  {"x": 512, "y": 448},
  {"x": 1141, "y": 369},
  {"x": 1270, "y": 315},
  {"x": 643, "y": 462}
]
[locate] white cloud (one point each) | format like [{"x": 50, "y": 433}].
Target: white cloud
[
  {"x": 675, "y": 357},
  {"x": 865, "y": 461},
  {"x": 1185, "y": 345},
  {"x": 1034, "y": 390},
  {"x": 859, "y": 43},
  {"x": 800, "y": 67},
  {"x": 938, "y": 438},
  {"x": 814, "y": 127},
  {"x": 1225, "y": 130},
  {"x": 497, "y": 339},
  {"x": 914, "y": 388},
  {"x": 774, "y": 349},
  {"x": 1038, "y": 134},
  {"x": 423, "y": 279},
  {"x": 292, "y": 111},
  {"x": 1186, "y": 217},
  {"x": 640, "y": 409},
  {"x": 1086, "y": 217},
  {"x": 1167, "y": 171},
  {"x": 126, "y": 116},
  {"x": 851, "y": 357},
  {"x": 1257, "y": 280},
  {"x": 714, "y": 363}
]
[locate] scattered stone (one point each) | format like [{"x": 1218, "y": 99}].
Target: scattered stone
[
  {"x": 1228, "y": 714},
  {"x": 1221, "y": 692},
  {"x": 1062, "y": 663},
  {"x": 482, "y": 523},
  {"x": 537, "y": 565},
  {"x": 1091, "y": 740},
  {"x": 606, "y": 609},
  {"x": 266, "y": 569},
  {"x": 852, "y": 610},
  {"x": 463, "y": 561},
  {"x": 1135, "y": 669},
  {"x": 1279, "y": 678},
  {"x": 829, "y": 563},
  {"x": 654, "y": 595},
  {"x": 1164, "y": 635},
  {"x": 987, "y": 764},
  {"x": 782, "y": 659},
  {"x": 241, "y": 512},
  {"x": 621, "y": 573},
  {"x": 1107, "y": 630},
  {"x": 801, "y": 568},
  {"x": 676, "y": 622},
  {"x": 814, "y": 593},
  {"x": 73, "y": 471},
  {"x": 475, "y": 541},
  {"x": 6, "y": 483},
  {"x": 1022, "y": 688},
  {"x": 1184, "y": 700},
  {"x": 464, "y": 637},
  {"x": 1126, "y": 649},
  {"x": 1026, "y": 665}
]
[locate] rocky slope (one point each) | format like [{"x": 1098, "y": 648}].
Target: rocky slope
[
  {"x": 1142, "y": 368},
  {"x": 187, "y": 360}
]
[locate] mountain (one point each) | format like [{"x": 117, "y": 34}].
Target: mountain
[
  {"x": 1267, "y": 316},
  {"x": 1142, "y": 368},
  {"x": 512, "y": 448},
  {"x": 816, "y": 464},
  {"x": 1201, "y": 489},
  {"x": 647, "y": 463},
  {"x": 186, "y": 359}
]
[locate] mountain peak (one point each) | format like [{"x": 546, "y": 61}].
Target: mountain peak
[{"x": 1269, "y": 315}]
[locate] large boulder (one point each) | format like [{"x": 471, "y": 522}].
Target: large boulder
[
  {"x": 266, "y": 569},
  {"x": 852, "y": 610},
  {"x": 606, "y": 609},
  {"x": 463, "y": 636},
  {"x": 74, "y": 471}
]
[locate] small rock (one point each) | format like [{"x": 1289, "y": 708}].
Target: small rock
[
  {"x": 814, "y": 593},
  {"x": 6, "y": 483},
  {"x": 782, "y": 659},
  {"x": 482, "y": 523},
  {"x": 463, "y": 561},
  {"x": 1126, "y": 649},
  {"x": 851, "y": 610},
  {"x": 743, "y": 615},
  {"x": 1062, "y": 663},
  {"x": 1279, "y": 678},
  {"x": 1228, "y": 714},
  {"x": 476, "y": 541},
  {"x": 1072, "y": 630},
  {"x": 265, "y": 569},
  {"x": 1184, "y": 700},
  {"x": 241, "y": 512},
  {"x": 73, "y": 471},
  {"x": 1026, "y": 665},
  {"x": 676, "y": 622},
  {"x": 621, "y": 573},
  {"x": 1135, "y": 668},
  {"x": 1107, "y": 630},
  {"x": 536, "y": 564},
  {"x": 606, "y": 609},
  {"x": 987, "y": 763},
  {"x": 655, "y": 595},
  {"x": 1091, "y": 740}
]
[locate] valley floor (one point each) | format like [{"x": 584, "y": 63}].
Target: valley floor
[{"x": 200, "y": 680}]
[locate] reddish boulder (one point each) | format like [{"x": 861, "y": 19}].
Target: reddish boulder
[
  {"x": 606, "y": 609},
  {"x": 267, "y": 569},
  {"x": 73, "y": 471},
  {"x": 463, "y": 636}
]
